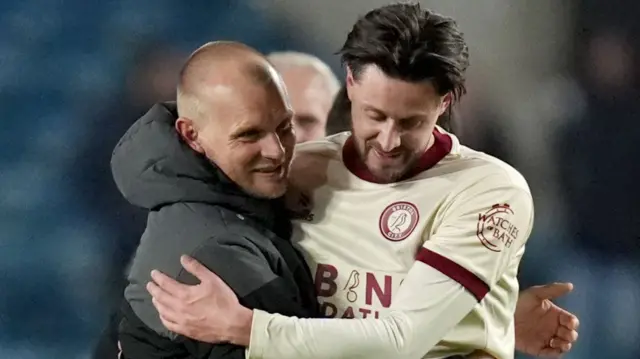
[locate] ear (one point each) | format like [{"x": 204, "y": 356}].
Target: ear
[
  {"x": 189, "y": 133},
  {"x": 350, "y": 81},
  {"x": 445, "y": 103}
]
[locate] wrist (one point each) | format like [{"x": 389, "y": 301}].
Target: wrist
[{"x": 240, "y": 329}]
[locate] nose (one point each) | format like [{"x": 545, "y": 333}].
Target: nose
[
  {"x": 272, "y": 147},
  {"x": 389, "y": 137}
]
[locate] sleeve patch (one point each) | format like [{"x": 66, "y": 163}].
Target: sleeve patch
[{"x": 495, "y": 230}]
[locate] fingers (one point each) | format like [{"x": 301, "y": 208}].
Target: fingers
[
  {"x": 570, "y": 321},
  {"x": 559, "y": 344},
  {"x": 169, "y": 284},
  {"x": 196, "y": 268},
  {"x": 201, "y": 272},
  {"x": 171, "y": 325},
  {"x": 167, "y": 313},
  {"x": 170, "y": 318},
  {"x": 567, "y": 335},
  {"x": 168, "y": 303},
  {"x": 161, "y": 295},
  {"x": 552, "y": 290}
]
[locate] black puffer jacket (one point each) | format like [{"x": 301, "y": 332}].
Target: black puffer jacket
[{"x": 195, "y": 209}]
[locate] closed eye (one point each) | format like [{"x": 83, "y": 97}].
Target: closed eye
[
  {"x": 305, "y": 121},
  {"x": 249, "y": 135},
  {"x": 376, "y": 115},
  {"x": 410, "y": 123}
]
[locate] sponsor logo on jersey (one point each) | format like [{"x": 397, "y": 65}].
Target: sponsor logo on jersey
[
  {"x": 398, "y": 220},
  {"x": 363, "y": 294},
  {"x": 494, "y": 230}
]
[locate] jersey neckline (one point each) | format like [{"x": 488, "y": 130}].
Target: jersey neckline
[{"x": 441, "y": 147}]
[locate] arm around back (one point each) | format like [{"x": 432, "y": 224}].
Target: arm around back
[{"x": 247, "y": 269}]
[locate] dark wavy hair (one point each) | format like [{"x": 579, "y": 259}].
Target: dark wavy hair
[{"x": 411, "y": 44}]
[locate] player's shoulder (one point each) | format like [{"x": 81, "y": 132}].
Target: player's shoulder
[
  {"x": 487, "y": 170},
  {"x": 311, "y": 160},
  {"x": 328, "y": 147}
]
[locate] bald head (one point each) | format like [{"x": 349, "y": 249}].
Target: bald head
[
  {"x": 218, "y": 70},
  {"x": 285, "y": 61},
  {"x": 311, "y": 86},
  {"x": 234, "y": 110}
]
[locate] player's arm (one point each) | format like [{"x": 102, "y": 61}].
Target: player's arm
[
  {"x": 452, "y": 273},
  {"x": 250, "y": 277},
  {"x": 454, "y": 270}
]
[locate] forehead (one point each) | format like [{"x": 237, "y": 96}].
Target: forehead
[
  {"x": 249, "y": 106},
  {"x": 307, "y": 89},
  {"x": 376, "y": 89}
]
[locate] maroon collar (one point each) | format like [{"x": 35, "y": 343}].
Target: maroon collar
[{"x": 442, "y": 145}]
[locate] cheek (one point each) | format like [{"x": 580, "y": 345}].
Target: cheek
[
  {"x": 214, "y": 153},
  {"x": 313, "y": 132},
  {"x": 214, "y": 146},
  {"x": 359, "y": 122},
  {"x": 416, "y": 144},
  {"x": 300, "y": 133},
  {"x": 243, "y": 157},
  {"x": 363, "y": 128}
]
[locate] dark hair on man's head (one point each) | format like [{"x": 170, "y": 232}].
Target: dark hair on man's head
[{"x": 411, "y": 44}]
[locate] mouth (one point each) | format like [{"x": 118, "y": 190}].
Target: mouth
[
  {"x": 271, "y": 171},
  {"x": 386, "y": 155}
]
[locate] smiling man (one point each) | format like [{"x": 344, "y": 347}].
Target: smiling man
[
  {"x": 399, "y": 222},
  {"x": 211, "y": 172}
]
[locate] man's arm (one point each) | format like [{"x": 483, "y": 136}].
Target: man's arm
[
  {"x": 409, "y": 330},
  {"x": 455, "y": 269},
  {"x": 247, "y": 272},
  {"x": 545, "y": 329}
]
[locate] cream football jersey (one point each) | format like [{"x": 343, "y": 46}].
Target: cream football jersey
[{"x": 396, "y": 250}]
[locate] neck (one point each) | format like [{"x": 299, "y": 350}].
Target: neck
[{"x": 439, "y": 146}]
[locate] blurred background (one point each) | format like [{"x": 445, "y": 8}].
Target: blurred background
[{"x": 553, "y": 90}]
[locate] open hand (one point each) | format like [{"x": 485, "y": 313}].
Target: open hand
[
  {"x": 209, "y": 312},
  {"x": 542, "y": 328}
]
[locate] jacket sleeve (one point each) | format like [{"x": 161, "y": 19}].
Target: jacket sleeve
[{"x": 247, "y": 271}]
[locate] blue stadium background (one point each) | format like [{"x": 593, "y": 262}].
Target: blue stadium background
[{"x": 73, "y": 76}]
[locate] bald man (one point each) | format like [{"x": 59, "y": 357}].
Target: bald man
[
  {"x": 211, "y": 180},
  {"x": 311, "y": 86}
]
